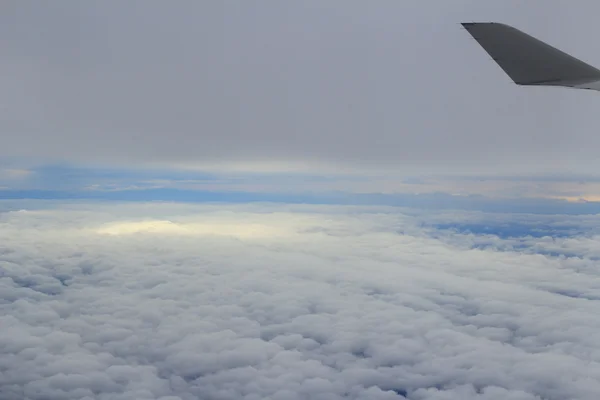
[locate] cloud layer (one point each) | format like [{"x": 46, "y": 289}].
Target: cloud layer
[
  {"x": 85, "y": 180},
  {"x": 325, "y": 303}
]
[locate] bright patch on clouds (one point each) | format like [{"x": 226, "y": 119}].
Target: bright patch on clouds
[
  {"x": 182, "y": 302},
  {"x": 161, "y": 227}
]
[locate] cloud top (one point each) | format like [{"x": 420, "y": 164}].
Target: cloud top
[{"x": 350, "y": 303}]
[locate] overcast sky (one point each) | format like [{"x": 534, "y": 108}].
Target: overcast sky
[{"x": 280, "y": 85}]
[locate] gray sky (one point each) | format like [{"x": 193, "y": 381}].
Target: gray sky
[{"x": 342, "y": 85}]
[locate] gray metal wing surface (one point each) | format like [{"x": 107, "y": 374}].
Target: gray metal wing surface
[{"x": 529, "y": 61}]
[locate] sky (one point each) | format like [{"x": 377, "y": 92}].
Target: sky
[
  {"x": 337, "y": 86},
  {"x": 277, "y": 200}
]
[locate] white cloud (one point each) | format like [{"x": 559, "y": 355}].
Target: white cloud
[{"x": 336, "y": 302}]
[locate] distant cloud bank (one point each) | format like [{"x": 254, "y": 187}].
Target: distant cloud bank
[{"x": 558, "y": 194}]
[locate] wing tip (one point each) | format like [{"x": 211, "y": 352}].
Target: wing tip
[
  {"x": 468, "y": 25},
  {"x": 500, "y": 40}
]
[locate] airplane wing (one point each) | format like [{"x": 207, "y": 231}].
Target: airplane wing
[{"x": 529, "y": 61}]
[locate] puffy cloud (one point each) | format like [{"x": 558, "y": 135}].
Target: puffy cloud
[{"x": 327, "y": 303}]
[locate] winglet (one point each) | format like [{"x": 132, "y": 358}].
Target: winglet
[{"x": 529, "y": 61}]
